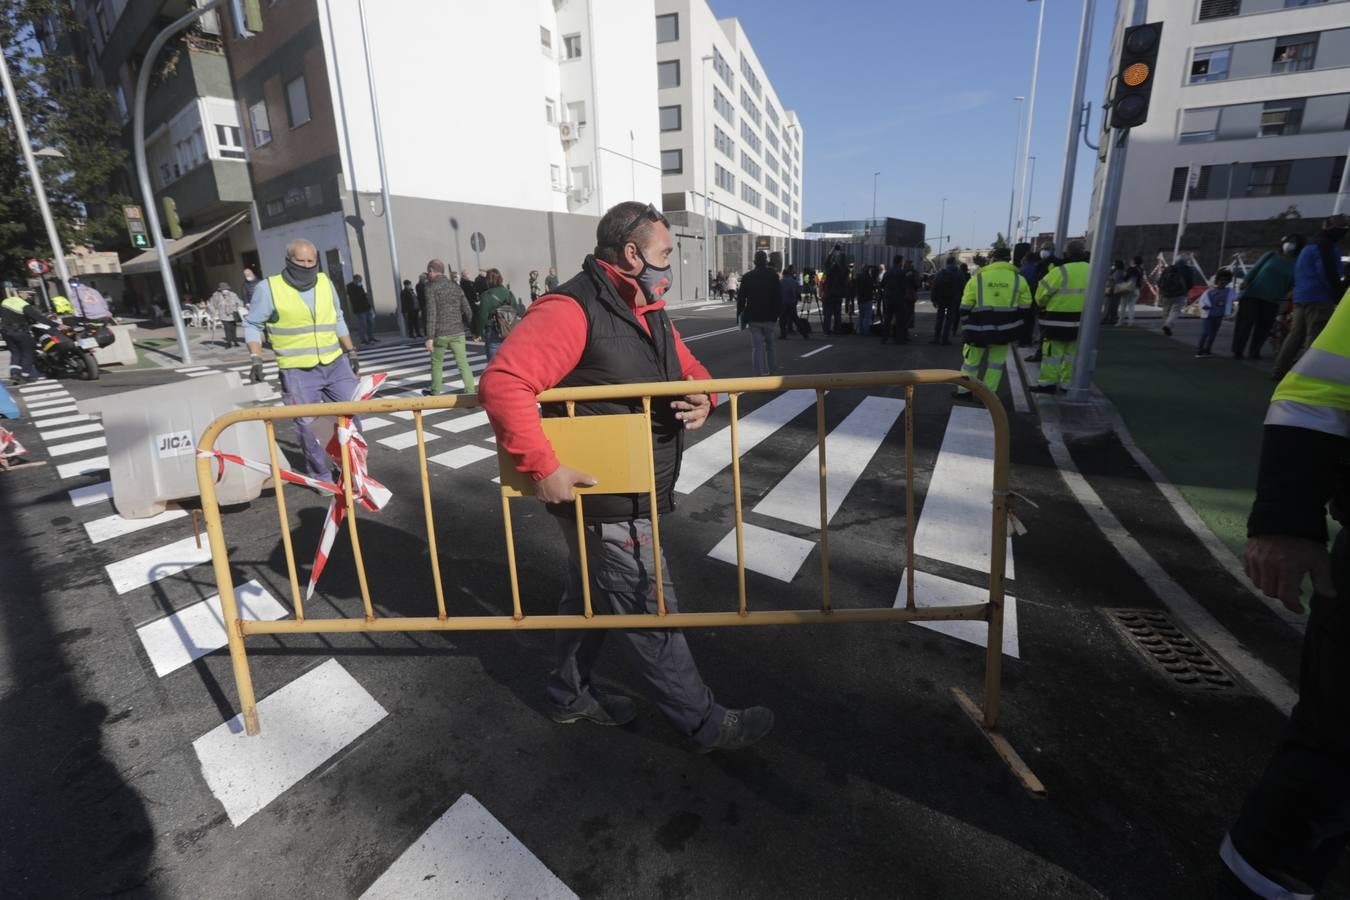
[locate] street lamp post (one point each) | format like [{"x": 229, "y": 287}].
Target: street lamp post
[
  {"x": 1017, "y": 157},
  {"x": 384, "y": 174},
  {"x": 1076, "y": 115},
  {"x": 21, "y": 131},
  {"x": 1031, "y": 102},
  {"x": 874, "y": 198},
  {"x": 942, "y": 224},
  {"x": 705, "y": 272},
  {"x": 1026, "y": 216}
]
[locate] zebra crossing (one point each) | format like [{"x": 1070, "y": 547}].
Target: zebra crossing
[{"x": 312, "y": 718}]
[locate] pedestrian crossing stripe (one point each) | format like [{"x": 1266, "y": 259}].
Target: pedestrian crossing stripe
[
  {"x": 767, "y": 552},
  {"x": 934, "y": 590},
  {"x": 196, "y": 630},
  {"x": 713, "y": 454}
]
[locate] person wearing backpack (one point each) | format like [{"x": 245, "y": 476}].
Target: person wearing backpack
[
  {"x": 1174, "y": 287},
  {"x": 498, "y": 312}
]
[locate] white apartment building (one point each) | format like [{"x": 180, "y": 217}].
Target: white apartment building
[
  {"x": 1256, "y": 94},
  {"x": 520, "y": 121},
  {"x": 728, "y": 143}
]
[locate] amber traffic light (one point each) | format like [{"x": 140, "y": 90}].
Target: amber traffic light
[{"x": 1135, "y": 75}]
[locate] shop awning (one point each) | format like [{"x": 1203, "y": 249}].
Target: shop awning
[{"x": 148, "y": 262}]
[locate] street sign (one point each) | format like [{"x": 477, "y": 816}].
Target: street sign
[
  {"x": 36, "y": 266},
  {"x": 135, "y": 219},
  {"x": 477, "y": 243}
]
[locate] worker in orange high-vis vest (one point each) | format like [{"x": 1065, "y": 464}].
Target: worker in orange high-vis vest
[{"x": 315, "y": 357}]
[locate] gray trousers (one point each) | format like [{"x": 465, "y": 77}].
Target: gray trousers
[
  {"x": 620, "y": 559},
  {"x": 331, "y": 383}
]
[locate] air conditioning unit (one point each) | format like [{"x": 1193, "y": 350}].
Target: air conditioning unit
[{"x": 567, "y": 131}]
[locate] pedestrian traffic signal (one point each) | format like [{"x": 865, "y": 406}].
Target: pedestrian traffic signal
[{"x": 1135, "y": 75}]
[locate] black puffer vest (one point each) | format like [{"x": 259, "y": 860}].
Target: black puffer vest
[{"x": 620, "y": 351}]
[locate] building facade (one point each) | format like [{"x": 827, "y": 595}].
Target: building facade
[
  {"x": 508, "y": 127},
  {"x": 730, "y": 149},
  {"x": 194, "y": 149},
  {"x": 1255, "y": 94}
]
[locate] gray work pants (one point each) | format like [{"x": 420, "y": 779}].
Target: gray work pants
[
  {"x": 331, "y": 383},
  {"x": 620, "y": 559}
]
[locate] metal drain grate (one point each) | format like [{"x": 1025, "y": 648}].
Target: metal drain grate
[{"x": 1171, "y": 650}]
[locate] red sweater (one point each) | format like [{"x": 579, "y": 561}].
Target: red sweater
[{"x": 544, "y": 347}]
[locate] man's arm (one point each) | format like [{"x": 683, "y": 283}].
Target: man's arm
[
  {"x": 259, "y": 312},
  {"x": 430, "y": 293}
]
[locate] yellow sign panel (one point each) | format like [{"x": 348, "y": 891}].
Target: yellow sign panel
[{"x": 614, "y": 450}]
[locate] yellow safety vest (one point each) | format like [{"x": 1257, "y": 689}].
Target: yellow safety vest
[
  {"x": 1316, "y": 392},
  {"x": 61, "y": 306},
  {"x": 15, "y": 304},
  {"x": 301, "y": 339},
  {"x": 1060, "y": 297},
  {"x": 995, "y": 300}
]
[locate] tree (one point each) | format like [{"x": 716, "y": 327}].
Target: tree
[
  {"x": 1000, "y": 242},
  {"x": 62, "y": 112}
]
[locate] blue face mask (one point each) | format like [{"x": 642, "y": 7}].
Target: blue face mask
[{"x": 653, "y": 281}]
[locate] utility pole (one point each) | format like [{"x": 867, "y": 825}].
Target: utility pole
[
  {"x": 1076, "y": 117},
  {"x": 384, "y": 173},
  {"x": 1026, "y": 216},
  {"x": 1031, "y": 101},
  {"x": 143, "y": 171},
  {"x": 1103, "y": 237},
  {"x": 1192, "y": 176},
  {"x": 705, "y": 272},
  {"x": 874, "y": 198},
  {"x": 1017, "y": 158},
  {"x": 942, "y": 223},
  {"x": 39, "y": 193},
  {"x": 357, "y": 221},
  {"x": 1227, "y": 200}
]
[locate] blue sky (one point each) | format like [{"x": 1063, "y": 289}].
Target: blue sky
[{"x": 923, "y": 92}]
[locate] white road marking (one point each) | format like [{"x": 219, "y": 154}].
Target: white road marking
[
  {"x": 371, "y": 423},
  {"x": 77, "y": 446},
  {"x": 72, "y": 431},
  {"x": 1267, "y": 682},
  {"x": 464, "y": 423},
  {"x": 767, "y": 552},
  {"x": 848, "y": 449},
  {"x": 46, "y": 402},
  {"x": 1015, "y": 386},
  {"x": 114, "y": 526},
  {"x": 815, "y": 351},
  {"x": 303, "y": 724},
  {"x": 156, "y": 564},
  {"x": 91, "y": 494},
  {"x": 934, "y": 590},
  {"x": 40, "y": 387},
  {"x": 196, "y": 369},
  {"x": 467, "y": 853},
  {"x": 956, "y": 522},
  {"x": 194, "y": 631},
  {"x": 460, "y": 457},
  {"x": 83, "y": 466},
  {"x": 713, "y": 454},
  {"x": 199, "y": 374},
  {"x": 68, "y": 406},
  {"x": 63, "y": 420},
  {"x": 689, "y": 339},
  {"x": 405, "y": 439}
]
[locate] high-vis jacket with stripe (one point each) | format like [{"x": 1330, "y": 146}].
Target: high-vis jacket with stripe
[
  {"x": 994, "y": 304},
  {"x": 1060, "y": 297},
  {"x": 1316, "y": 392},
  {"x": 302, "y": 339}
]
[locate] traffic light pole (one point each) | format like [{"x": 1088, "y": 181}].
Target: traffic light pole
[
  {"x": 143, "y": 171},
  {"x": 1103, "y": 237}
]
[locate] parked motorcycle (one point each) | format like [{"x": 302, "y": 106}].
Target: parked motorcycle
[{"x": 67, "y": 349}]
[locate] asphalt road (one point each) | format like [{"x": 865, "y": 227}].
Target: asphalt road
[{"x": 123, "y": 778}]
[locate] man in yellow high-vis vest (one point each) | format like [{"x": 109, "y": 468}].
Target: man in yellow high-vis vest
[
  {"x": 315, "y": 357},
  {"x": 993, "y": 306},
  {"x": 1059, "y": 298},
  {"x": 1295, "y": 822}
]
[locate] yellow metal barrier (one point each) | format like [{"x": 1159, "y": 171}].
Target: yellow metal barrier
[{"x": 618, "y": 449}]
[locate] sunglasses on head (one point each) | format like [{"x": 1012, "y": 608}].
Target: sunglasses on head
[{"x": 651, "y": 214}]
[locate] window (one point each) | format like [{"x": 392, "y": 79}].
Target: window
[
  {"x": 667, "y": 28},
  {"x": 750, "y": 195},
  {"x": 724, "y": 143},
  {"x": 1199, "y": 137},
  {"x": 571, "y": 46},
  {"x": 1219, "y": 9},
  {"x": 1201, "y": 189},
  {"x": 550, "y": 111},
  {"x": 672, "y": 162},
  {"x": 313, "y": 195},
  {"x": 297, "y": 102},
  {"x": 230, "y": 142},
  {"x": 770, "y": 163},
  {"x": 1290, "y": 4},
  {"x": 772, "y": 137},
  {"x": 555, "y": 177},
  {"x": 749, "y": 106},
  {"x": 722, "y": 68},
  {"x": 749, "y": 75},
  {"x": 105, "y": 26},
  {"x": 749, "y": 166},
  {"x": 545, "y": 41},
  {"x": 576, "y": 112},
  {"x": 723, "y": 107},
  {"x": 259, "y": 123},
  {"x": 97, "y": 34},
  {"x": 725, "y": 180},
  {"x": 1280, "y": 117},
  {"x": 1337, "y": 168},
  {"x": 1269, "y": 179},
  {"x": 668, "y": 74},
  {"x": 670, "y": 118},
  {"x": 1294, "y": 53},
  {"x": 165, "y": 175},
  {"x": 770, "y": 185},
  {"x": 581, "y": 180},
  {"x": 787, "y": 196},
  {"x": 785, "y": 218},
  {"x": 276, "y": 206},
  {"x": 749, "y": 136},
  {"x": 771, "y": 208},
  {"x": 771, "y": 112},
  {"x": 1210, "y": 64}
]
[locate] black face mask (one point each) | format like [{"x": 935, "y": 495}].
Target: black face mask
[{"x": 302, "y": 278}]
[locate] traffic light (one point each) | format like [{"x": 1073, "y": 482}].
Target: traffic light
[
  {"x": 1135, "y": 75},
  {"x": 171, "y": 223}
]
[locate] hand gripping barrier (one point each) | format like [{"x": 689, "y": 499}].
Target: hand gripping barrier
[{"x": 618, "y": 450}]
